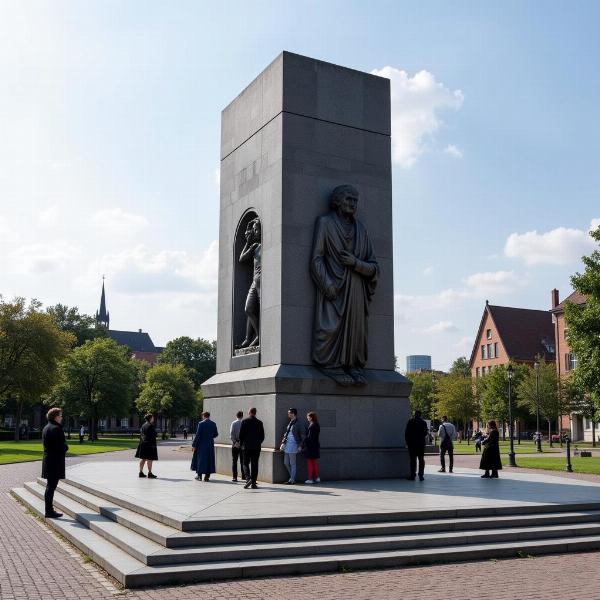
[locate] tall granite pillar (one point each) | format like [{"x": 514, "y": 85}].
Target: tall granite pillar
[{"x": 299, "y": 130}]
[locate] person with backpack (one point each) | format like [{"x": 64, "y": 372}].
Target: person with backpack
[{"x": 446, "y": 434}]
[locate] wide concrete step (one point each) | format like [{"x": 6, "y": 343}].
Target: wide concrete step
[
  {"x": 225, "y": 524},
  {"x": 151, "y": 553},
  {"x": 173, "y": 538}
]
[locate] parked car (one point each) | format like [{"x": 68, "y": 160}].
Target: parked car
[{"x": 555, "y": 437}]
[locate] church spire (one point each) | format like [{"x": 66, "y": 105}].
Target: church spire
[{"x": 102, "y": 316}]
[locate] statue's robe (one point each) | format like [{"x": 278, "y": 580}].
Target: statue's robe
[{"x": 340, "y": 325}]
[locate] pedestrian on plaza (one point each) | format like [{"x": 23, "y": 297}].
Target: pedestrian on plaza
[
  {"x": 490, "y": 458},
  {"x": 252, "y": 435},
  {"x": 236, "y": 449},
  {"x": 147, "y": 451},
  {"x": 185, "y": 433},
  {"x": 415, "y": 435},
  {"x": 203, "y": 459},
  {"x": 478, "y": 439},
  {"x": 53, "y": 463},
  {"x": 292, "y": 441},
  {"x": 312, "y": 448},
  {"x": 81, "y": 434},
  {"x": 446, "y": 433}
]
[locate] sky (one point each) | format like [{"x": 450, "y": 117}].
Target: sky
[{"x": 110, "y": 132}]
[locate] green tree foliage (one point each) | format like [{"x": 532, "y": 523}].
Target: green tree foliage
[
  {"x": 583, "y": 326},
  {"x": 168, "y": 391},
  {"x": 493, "y": 391},
  {"x": 460, "y": 367},
  {"x": 421, "y": 396},
  {"x": 83, "y": 327},
  {"x": 97, "y": 379},
  {"x": 582, "y": 402},
  {"x": 199, "y": 356},
  {"x": 31, "y": 348},
  {"x": 552, "y": 402},
  {"x": 455, "y": 397}
]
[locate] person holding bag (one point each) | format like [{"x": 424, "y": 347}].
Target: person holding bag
[
  {"x": 490, "y": 458},
  {"x": 292, "y": 440},
  {"x": 312, "y": 448},
  {"x": 446, "y": 433}
]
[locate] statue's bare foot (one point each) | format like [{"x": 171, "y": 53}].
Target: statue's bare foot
[
  {"x": 339, "y": 376},
  {"x": 358, "y": 376}
]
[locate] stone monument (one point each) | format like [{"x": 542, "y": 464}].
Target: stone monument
[{"x": 305, "y": 311}]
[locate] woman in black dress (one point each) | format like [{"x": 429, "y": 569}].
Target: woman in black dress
[
  {"x": 312, "y": 448},
  {"x": 490, "y": 458},
  {"x": 146, "y": 450}
]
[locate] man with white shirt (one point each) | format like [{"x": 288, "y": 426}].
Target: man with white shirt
[
  {"x": 446, "y": 434},
  {"x": 236, "y": 451}
]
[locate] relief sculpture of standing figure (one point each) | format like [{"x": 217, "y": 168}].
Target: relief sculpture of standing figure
[
  {"x": 345, "y": 271},
  {"x": 252, "y": 251}
]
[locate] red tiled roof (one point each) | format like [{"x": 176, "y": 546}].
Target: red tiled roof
[{"x": 574, "y": 298}]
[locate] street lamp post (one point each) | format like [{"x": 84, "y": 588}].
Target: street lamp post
[
  {"x": 511, "y": 454},
  {"x": 568, "y": 466},
  {"x": 538, "y": 434}
]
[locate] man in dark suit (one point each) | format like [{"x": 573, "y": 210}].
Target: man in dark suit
[
  {"x": 415, "y": 436},
  {"x": 252, "y": 435},
  {"x": 53, "y": 464}
]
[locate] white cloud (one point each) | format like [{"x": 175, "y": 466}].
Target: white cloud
[
  {"x": 416, "y": 104},
  {"x": 560, "y": 246},
  {"x": 453, "y": 150},
  {"x": 428, "y": 270},
  {"x": 465, "y": 343},
  {"x": 116, "y": 221},
  {"x": 493, "y": 282},
  {"x": 441, "y": 327},
  {"x": 41, "y": 258}
]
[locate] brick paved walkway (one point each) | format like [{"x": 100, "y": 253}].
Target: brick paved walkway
[{"x": 27, "y": 551}]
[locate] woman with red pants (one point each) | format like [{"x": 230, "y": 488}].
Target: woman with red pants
[{"x": 312, "y": 448}]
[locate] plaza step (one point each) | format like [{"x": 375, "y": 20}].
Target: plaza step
[{"x": 117, "y": 540}]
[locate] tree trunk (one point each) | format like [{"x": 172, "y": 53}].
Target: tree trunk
[
  {"x": 560, "y": 436},
  {"x": 518, "y": 431},
  {"x": 550, "y": 432},
  {"x": 19, "y": 415},
  {"x": 593, "y": 433}
]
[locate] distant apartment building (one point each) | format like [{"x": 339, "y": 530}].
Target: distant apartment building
[
  {"x": 566, "y": 361},
  {"x": 418, "y": 362},
  {"x": 507, "y": 334}
]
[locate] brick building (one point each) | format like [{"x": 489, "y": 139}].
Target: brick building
[
  {"x": 508, "y": 334},
  {"x": 581, "y": 428}
]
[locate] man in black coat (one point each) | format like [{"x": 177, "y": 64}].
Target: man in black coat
[
  {"x": 415, "y": 436},
  {"x": 252, "y": 435},
  {"x": 53, "y": 464}
]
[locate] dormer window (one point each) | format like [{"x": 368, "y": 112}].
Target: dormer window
[{"x": 488, "y": 334}]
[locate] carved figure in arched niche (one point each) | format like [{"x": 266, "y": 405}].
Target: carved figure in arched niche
[{"x": 252, "y": 251}]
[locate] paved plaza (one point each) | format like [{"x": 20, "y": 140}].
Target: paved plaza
[{"x": 26, "y": 549}]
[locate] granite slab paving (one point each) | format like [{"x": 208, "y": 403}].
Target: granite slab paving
[{"x": 177, "y": 494}]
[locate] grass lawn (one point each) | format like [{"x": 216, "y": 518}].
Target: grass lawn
[
  {"x": 23, "y": 451},
  {"x": 522, "y": 448},
  {"x": 555, "y": 463}
]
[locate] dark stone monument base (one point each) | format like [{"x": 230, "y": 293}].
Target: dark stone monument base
[{"x": 362, "y": 428}]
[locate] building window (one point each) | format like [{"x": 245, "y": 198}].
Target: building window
[
  {"x": 125, "y": 423},
  {"x": 488, "y": 334},
  {"x": 490, "y": 351},
  {"x": 102, "y": 424},
  {"x": 496, "y": 353},
  {"x": 477, "y": 372},
  {"x": 483, "y": 351},
  {"x": 570, "y": 361}
]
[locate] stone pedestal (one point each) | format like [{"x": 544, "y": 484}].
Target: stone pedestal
[{"x": 299, "y": 130}]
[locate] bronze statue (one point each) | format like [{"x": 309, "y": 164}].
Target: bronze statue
[
  {"x": 345, "y": 271},
  {"x": 252, "y": 251}
]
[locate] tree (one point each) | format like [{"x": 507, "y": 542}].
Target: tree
[
  {"x": 583, "y": 326},
  {"x": 460, "y": 367},
  {"x": 31, "y": 348},
  {"x": 168, "y": 391},
  {"x": 455, "y": 397},
  {"x": 551, "y": 401},
  {"x": 199, "y": 356},
  {"x": 97, "y": 379},
  {"x": 421, "y": 395},
  {"x": 493, "y": 388},
  {"x": 83, "y": 327},
  {"x": 582, "y": 402}
]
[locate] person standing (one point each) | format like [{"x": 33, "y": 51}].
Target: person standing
[
  {"x": 53, "y": 463},
  {"x": 81, "y": 434},
  {"x": 203, "y": 460},
  {"x": 416, "y": 436},
  {"x": 292, "y": 440},
  {"x": 478, "y": 438},
  {"x": 147, "y": 451},
  {"x": 446, "y": 433},
  {"x": 252, "y": 435},
  {"x": 185, "y": 432},
  {"x": 490, "y": 458},
  {"x": 312, "y": 448},
  {"x": 236, "y": 450}
]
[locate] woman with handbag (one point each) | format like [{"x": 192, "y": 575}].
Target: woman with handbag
[
  {"x": 312, "y": 448},
  {"x": 147, "y": 451},
  {"x": 490, "y": 458}
]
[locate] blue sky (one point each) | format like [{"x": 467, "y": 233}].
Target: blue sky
[{"x": 109, "y": 137}]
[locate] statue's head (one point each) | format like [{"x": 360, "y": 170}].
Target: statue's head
[
  {"x": 252, "y": 232},
  {"x": 344, "y": 200}
]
